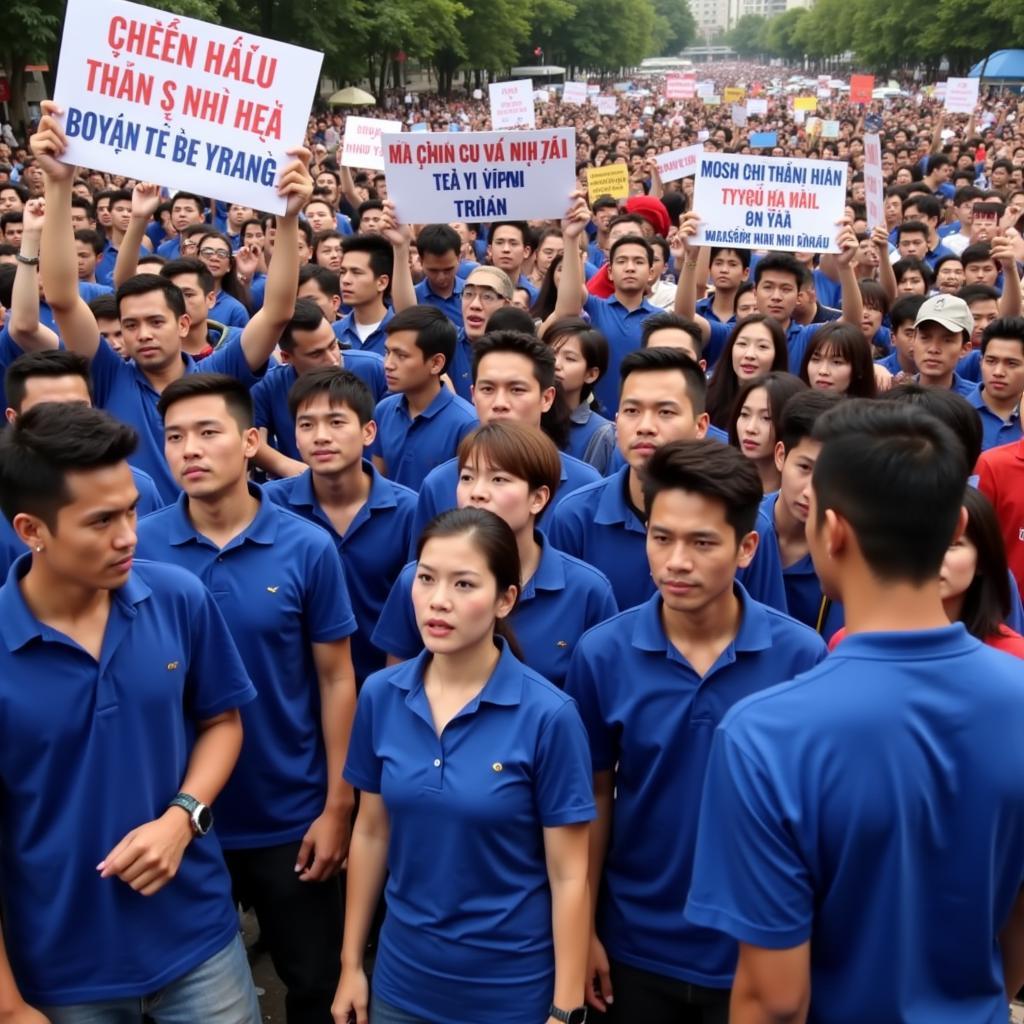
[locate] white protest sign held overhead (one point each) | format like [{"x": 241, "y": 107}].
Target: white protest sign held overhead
[
  {"x": 962, "y": 95},
  {"x": 575, "y": 92},
  {"x": 361, "y": 146},
  {"x": 481, "y": 176},
  {"x": 757, "y": 107},
  {"x": 181, "y": 102},
  {"x": 680, "y": 163},
  {"x": 512, "y": 105},
  {"x": 606, "y": 105},
  {"x": 753, "y": 202},
  {"x": 874, "y": 183}
]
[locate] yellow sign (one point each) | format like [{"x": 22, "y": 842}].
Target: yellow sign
[
  {"x": 610, "y": 180},
  {"x": 733, "y": 94},
  {"x": 805, "y": 103}
]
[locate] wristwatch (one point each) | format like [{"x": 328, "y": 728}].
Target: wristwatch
[
  {"x": 577, "y": 1016},
  {"x": 199, "y": 814}
]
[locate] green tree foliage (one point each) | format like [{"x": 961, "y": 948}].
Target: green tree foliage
[
  {"x": 746, "y": 35},
  {"x": 674, "y": 27}
]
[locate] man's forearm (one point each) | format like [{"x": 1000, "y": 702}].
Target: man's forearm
[
  {"x": 213, "y": 757},
  {"x": 59, "y": 269}
]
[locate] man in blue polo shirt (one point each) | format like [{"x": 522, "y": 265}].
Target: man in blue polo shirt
[
  {"x": 119, "y": 725},
  {"x": 368, "y": 517},
  {"x": 367, "y": 265},
  {"x": 603, "y": 523},
  {"x": 421, "y": 423},
  {"x": 286, "y": 813},
  {"x": 152, "y": 310},
  {"x": 439, "y": 246},
  {"x": 861, "y": 825},
  {"x": 513, "y": 379},
  {"x": 307, "y": 343},
  {"x": 621, "y": 317},
  {"x": 997, "y": 398},
  {"x": 651, "y": 684},
  {"x": 943, "y": 337}
]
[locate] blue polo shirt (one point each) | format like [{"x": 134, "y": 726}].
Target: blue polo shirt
[
  {"x": 469, "y": 905},
  {"x": 891, "y": 363},
  {"x": 559, "y": 603},
  {"x": 372, "y": 549},
  {"x": 622, "y": 327},
  {"x": 461, "y": 371},
  {"x": 281, "y": 588},
  {"x": 597, "y": 523},
  {"x": 706, "y": 308},
  {"x": 345, "y": 330},
  {"x": 651, "y": 718},
  {"x": 970, "y": 366},
  {"x": 122, "y": 389},
  {"x": 270, "y": 396},
  {"x": 90, "y": 751},
  {"x": 450, "y": 306},
  {"x": 229, "y": 311},
  {"x": 960, "y": 385},
  {"x": 804, "y": 600},
  {"x": 583, "y": 425},
  {"x": 108, "y": 260},
  {"x": 798, "y": 337},
  {"x": 439, "y": 486},
  {"x": 171, "y": 249},
  {"x": 86, "y": 289},
  {"x": 874, "y": 806},
  {"x": 412, "y": 446},
  {"x": 995, "y": 430}
]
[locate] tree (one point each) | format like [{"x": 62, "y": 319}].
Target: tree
[
  {"x": 781, "y": 35},
  {"x": 610, "y": 34},
  {"x": 745, "y": 37},
  {"x": 674, "y": 26}
]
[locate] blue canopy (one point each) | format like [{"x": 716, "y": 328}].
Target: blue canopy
[{"x": 1005, "y": 65}]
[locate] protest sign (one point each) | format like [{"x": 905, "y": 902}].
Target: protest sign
[
  {"x": 705, "y": 89},
  {"x": 512, "y": 105},
  {"x": 799, "y": 116},
  {"x": 807, "y": 103},
  {"x": 733, "y": 94},
  {"x": 190, "y": 105},
  {"x": 481, "y": 176},
  {"x": 680, "y": 163},
  {"x": 940, "y": 90},
  {"x": 757, "y": 107},
  {"x": 420, "y": 126},
  {"x": 755, "y": 202},
  {"x": 861, "y": 88},
  {"x": 593, "y": 90},
  {"x": 361, "y": 146},
  {"x": 678, "y": 89},
  {"x": 606, "y": 105},
  {"x": 874, "y": 183},
  {"x": 830, "y": 130},
  {"x": 575, "y": 92},
  {"x": 962, "y": 95},
  {"x": 739, "y": 115},
  {"x": 763, "y": 140},
  {"x": 541, "y": 95},
  {"x": 712, "y": 101},
  {"x": 609, "y": 180}
]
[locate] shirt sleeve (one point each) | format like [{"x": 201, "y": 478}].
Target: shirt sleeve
[
  {"x": 566, "y": 531},
  {"x": 328, "y": 610},
  {"x": 106, "y": 369},
  {"x": 261, "y": 403},
  {"x": 749, "y": 879},
  {"x": 230, "y": 359},
  {"x": 563, "y": 784},
  {"x": 581, "y": 684},
  {"x": 716, "y": 341},
  {"x": 763, "y": 577},
  {"x": 396, "y": 632},
  {"x": 363, "y": 767}
]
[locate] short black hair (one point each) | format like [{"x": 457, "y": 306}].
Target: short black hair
[
  {"x": 897, "y": 475},
  {"x": 979, "y": 252},
  {"x": 650, "y": 360},
  {"x": 911, "y": 227},
  {"x": 948, "y": 407},
  {"x": 437, "y": 240},
  {"x": 801, "y": 412},
  {"x": 927, "y": 205},
  {"x": 743, "y": 255},
  {"x": 631, "y": 240},
  {"x": 1006, "y": 328},
  {"x": 198, "y": 385},
  {"x": 198, "y": 200},
  {"x": 327, "y": 280},
  {"x": 911, "y": 264},
  {"x": 781, "y": 263},
  {"x": 511, "y": 318},
  {"x": 435, "y": 333},
  {"x": 604, "y": 203},
  {"x": 307, "y": 317},
  {"x": 104, "y": 307},
  {"x": 665, "y": 321},
  {"x": 379, "y": 251},
  {"x": 520, "y": 225},
  {"x": 188, "y": 265},
  {"x": 40, "y": 449},
  {"x": 342, "y": 387},
  {"x": 49, "y": 363},
  {"x": 520, "y": 343},
  {"x": 91, "y": 238},
  {"x": 973, "y": 292},
  {"x": 709, "y": 468},
  {"x": 905, "y": 309},
  {"x": 143, "y": 284}
]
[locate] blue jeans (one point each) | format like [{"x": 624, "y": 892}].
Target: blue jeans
[
  {"x": 385, "y": 1013},
  {"x": 218, "y": 991}
]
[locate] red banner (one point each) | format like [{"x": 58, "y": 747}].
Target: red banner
[{"x": 861, "y": 87}]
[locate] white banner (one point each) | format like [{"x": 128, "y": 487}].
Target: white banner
[
  {"x": 361, "y": 147},
  {"x": 512, "y": 105},
  {"x": 874, "y": 183},
  {"x": 575, "y": 92},
  {"x": 607, "y": 106},
  {"x": 962, "y": 95},
  {"x": 680, "y": 163}
]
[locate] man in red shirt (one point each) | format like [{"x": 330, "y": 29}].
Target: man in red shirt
[{"x": 1001, "y": 479}]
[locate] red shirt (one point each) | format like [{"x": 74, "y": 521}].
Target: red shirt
[
  {"x": 1004, "y": 639},
  {"x": 1001, "y": 479}
]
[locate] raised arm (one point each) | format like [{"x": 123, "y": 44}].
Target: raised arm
[
  {"x": 26, "y": 330},
  {"x": 1003, "y": 253},
  {"x": 403, "y": 291},
  {"x": 886, "y": 275},
  {"x": 145, "y": 200},
  {"x": 570, "y": 286},
  {"x": 853, "y": 305},
  {"x": 60, "y": 269},
  {"x": 264, "y": 330},
  {"x": 348, "y": 187},
  {"x": 691, "y": 256}
]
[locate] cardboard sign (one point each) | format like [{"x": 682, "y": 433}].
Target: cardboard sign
[
  {"x": 830, "y": 130},
  {"x": 861, "y": 88},
  {"x": 361, "y": 146},
  {"x": 874, "y": 183},
  {"x": 739, "y": 115},
  {"x": 610, "y": 180},
  {"x": 190, "y": 105},
  {"x": 733, "y": 94},
  {"x": 481, "y": 176},
  {"x": 575, "y": 92},
  {"x": 962, "y": 95},
  {"x": 680, "y": 163},
  {"x": 763, "y": 202},
  {"x": 758, "y": 108},
  {"x": 512, "y": 105},
  {"x": 764, "y": 140},
  {"x": 678, "y": 88},
  {"x": 807, "y": 103},
  {"x": 712, "y": 101},
  {"x": 607, "y": 106}
]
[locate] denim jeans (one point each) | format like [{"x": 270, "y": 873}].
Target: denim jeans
[
  {"x": 219, "y": 991},
  {"x": 385, "y": 1013}
]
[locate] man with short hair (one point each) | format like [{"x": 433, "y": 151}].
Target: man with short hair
[
  {"x": 367, "y": 266},
  {"x": 438, "y": 246},
  {"x": 205, "y": 335},
  {"x": 187, "y": 210},
  {"x": 997, "y": 398},
  {"x": 943, "y": 337},
  {"x": 509, "y": 245},
  {"x": 728, "y": 270}
]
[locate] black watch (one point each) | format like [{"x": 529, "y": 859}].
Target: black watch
[
  {"x": 577, "y": 1016},
  {"x": 200, "y": 816}
]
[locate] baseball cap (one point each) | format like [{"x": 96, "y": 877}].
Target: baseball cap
[
  {"x": 493, "y": 277},
  {"x": 951, "y": 312}
]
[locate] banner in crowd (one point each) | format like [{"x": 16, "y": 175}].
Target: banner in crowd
[
  {"x": 805, "y": 103},
  {"x": 512, "y": 105},
  {"x": 739, "y": 115},
  {"x": 575, "y": 92},
  {"x": 679, "y": 88},
  {"x": 609, "y": 180},
  {"x": 962, "y": 95},
  {"x": 874, "y": 183},
  {"x": 680, "y": 163},
  {"x": 607, "y": 106},
  {"x": 181, "y": 102},
  {"x": 361, "y": 146},
  {"x": 861, "y": 88},
  {"x": 753, "y": 202},
  {"x": 733, "y": 94},
  {"x": 763, "y": 140},
  {"x": 481, "y": 176},
  {"x": 757, "y": 107}
]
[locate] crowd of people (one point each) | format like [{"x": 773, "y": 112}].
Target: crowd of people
[{"x": 529, "y": 621}]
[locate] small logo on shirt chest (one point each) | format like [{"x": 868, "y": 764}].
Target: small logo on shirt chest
[
  {"x": 562, "y": 643},
  {"x": 273, "y": 590},
  {"x": 171, "y": 666},
  {"x": 497, "y": 767}
]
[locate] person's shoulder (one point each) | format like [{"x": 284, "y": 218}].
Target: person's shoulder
[
  {"x": 789, "y": 632},
  {"x": 279, "y": 490},
  {"x": 300, "y": 531},
  {"x": 159, "y": 520},
  {"x": 583, "y": 573},
  {"x": 615, "y": 632},
  {"x": 386, "y": 406},
  {"x": 357, "y": 355},
  {"x": 583, "y": 497},
  {"x": 439, "y": 474},
  {"x": 580, "y": 469},
  {"x": 458, "y": 406},
  {"x": 169, "y": 581}
]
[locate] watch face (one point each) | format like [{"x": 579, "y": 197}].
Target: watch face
[
  {"x": 578, "y": 1016},
  {"x": 204, "y": 819}
]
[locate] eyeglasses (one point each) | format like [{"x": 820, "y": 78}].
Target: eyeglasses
[
  {"x": 486, "y": 296},
  {"x": 215, "y": 254}
]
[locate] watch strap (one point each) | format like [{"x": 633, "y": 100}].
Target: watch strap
[{"x": 576, "y": 1016}]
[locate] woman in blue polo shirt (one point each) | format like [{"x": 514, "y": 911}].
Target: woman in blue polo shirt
[
  {"x": 513, "y": 470},
  {"x": 476, "y": 790}
]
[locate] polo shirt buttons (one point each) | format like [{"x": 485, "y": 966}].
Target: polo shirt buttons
[{"x": 437, "y": 762}]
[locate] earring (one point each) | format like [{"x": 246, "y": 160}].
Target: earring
[{"x": 39, "y": 547}]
